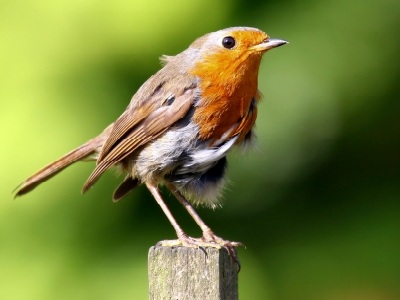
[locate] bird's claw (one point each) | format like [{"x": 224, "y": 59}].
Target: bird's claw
[{"x": 207, "y": 240}]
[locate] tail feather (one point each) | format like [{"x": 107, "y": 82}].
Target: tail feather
[{"x": 84, "y": 151}]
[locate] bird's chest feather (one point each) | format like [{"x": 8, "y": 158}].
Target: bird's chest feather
[{"x": 228, "y": 101}]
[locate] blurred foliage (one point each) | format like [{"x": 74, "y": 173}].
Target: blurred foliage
[{"x": 316, "y": 202}]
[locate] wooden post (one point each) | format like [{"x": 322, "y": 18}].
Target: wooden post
[{"x": 182, "y": 273}]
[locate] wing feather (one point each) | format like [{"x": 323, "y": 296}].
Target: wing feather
[{"x": 130, "y": 135}]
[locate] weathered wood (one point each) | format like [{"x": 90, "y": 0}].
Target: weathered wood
[{"x": 181, "y": 273}]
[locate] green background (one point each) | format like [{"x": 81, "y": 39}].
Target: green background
[{"x": 316, "y": 202}]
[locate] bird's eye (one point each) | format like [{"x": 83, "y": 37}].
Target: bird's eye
[{"x": 228, "y": 42}]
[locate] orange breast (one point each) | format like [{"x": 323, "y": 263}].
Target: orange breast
[{"x": 228, "y": 86}]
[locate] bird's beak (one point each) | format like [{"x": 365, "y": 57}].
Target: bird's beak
[{"x": 268, "y": 44}]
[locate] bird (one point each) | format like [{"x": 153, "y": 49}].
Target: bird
[{"x": 179, "y": 127}]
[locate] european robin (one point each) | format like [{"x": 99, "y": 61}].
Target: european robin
[{"x": 179, "y": 127}]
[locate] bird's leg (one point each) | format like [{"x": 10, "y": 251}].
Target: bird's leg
[
  {"x": 156, "y": 194},
  {"x": 183, "y": 238},
  {"x": 209, "y": 238}
]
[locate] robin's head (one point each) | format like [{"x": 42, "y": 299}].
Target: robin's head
[
  {"x": 226, "y": 48},
  {"x": 236, "y": 41},
  {"x": 235, "y": 50}
]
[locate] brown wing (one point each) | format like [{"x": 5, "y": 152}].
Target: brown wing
[
  {"x": 128, "y": 120},
  {"x": 136, "y": 128}
]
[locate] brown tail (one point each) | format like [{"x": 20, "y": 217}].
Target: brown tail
[{"x": 84, "y": 151}]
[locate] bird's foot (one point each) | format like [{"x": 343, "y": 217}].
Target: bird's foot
[{"x": 209, "y": 239}]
